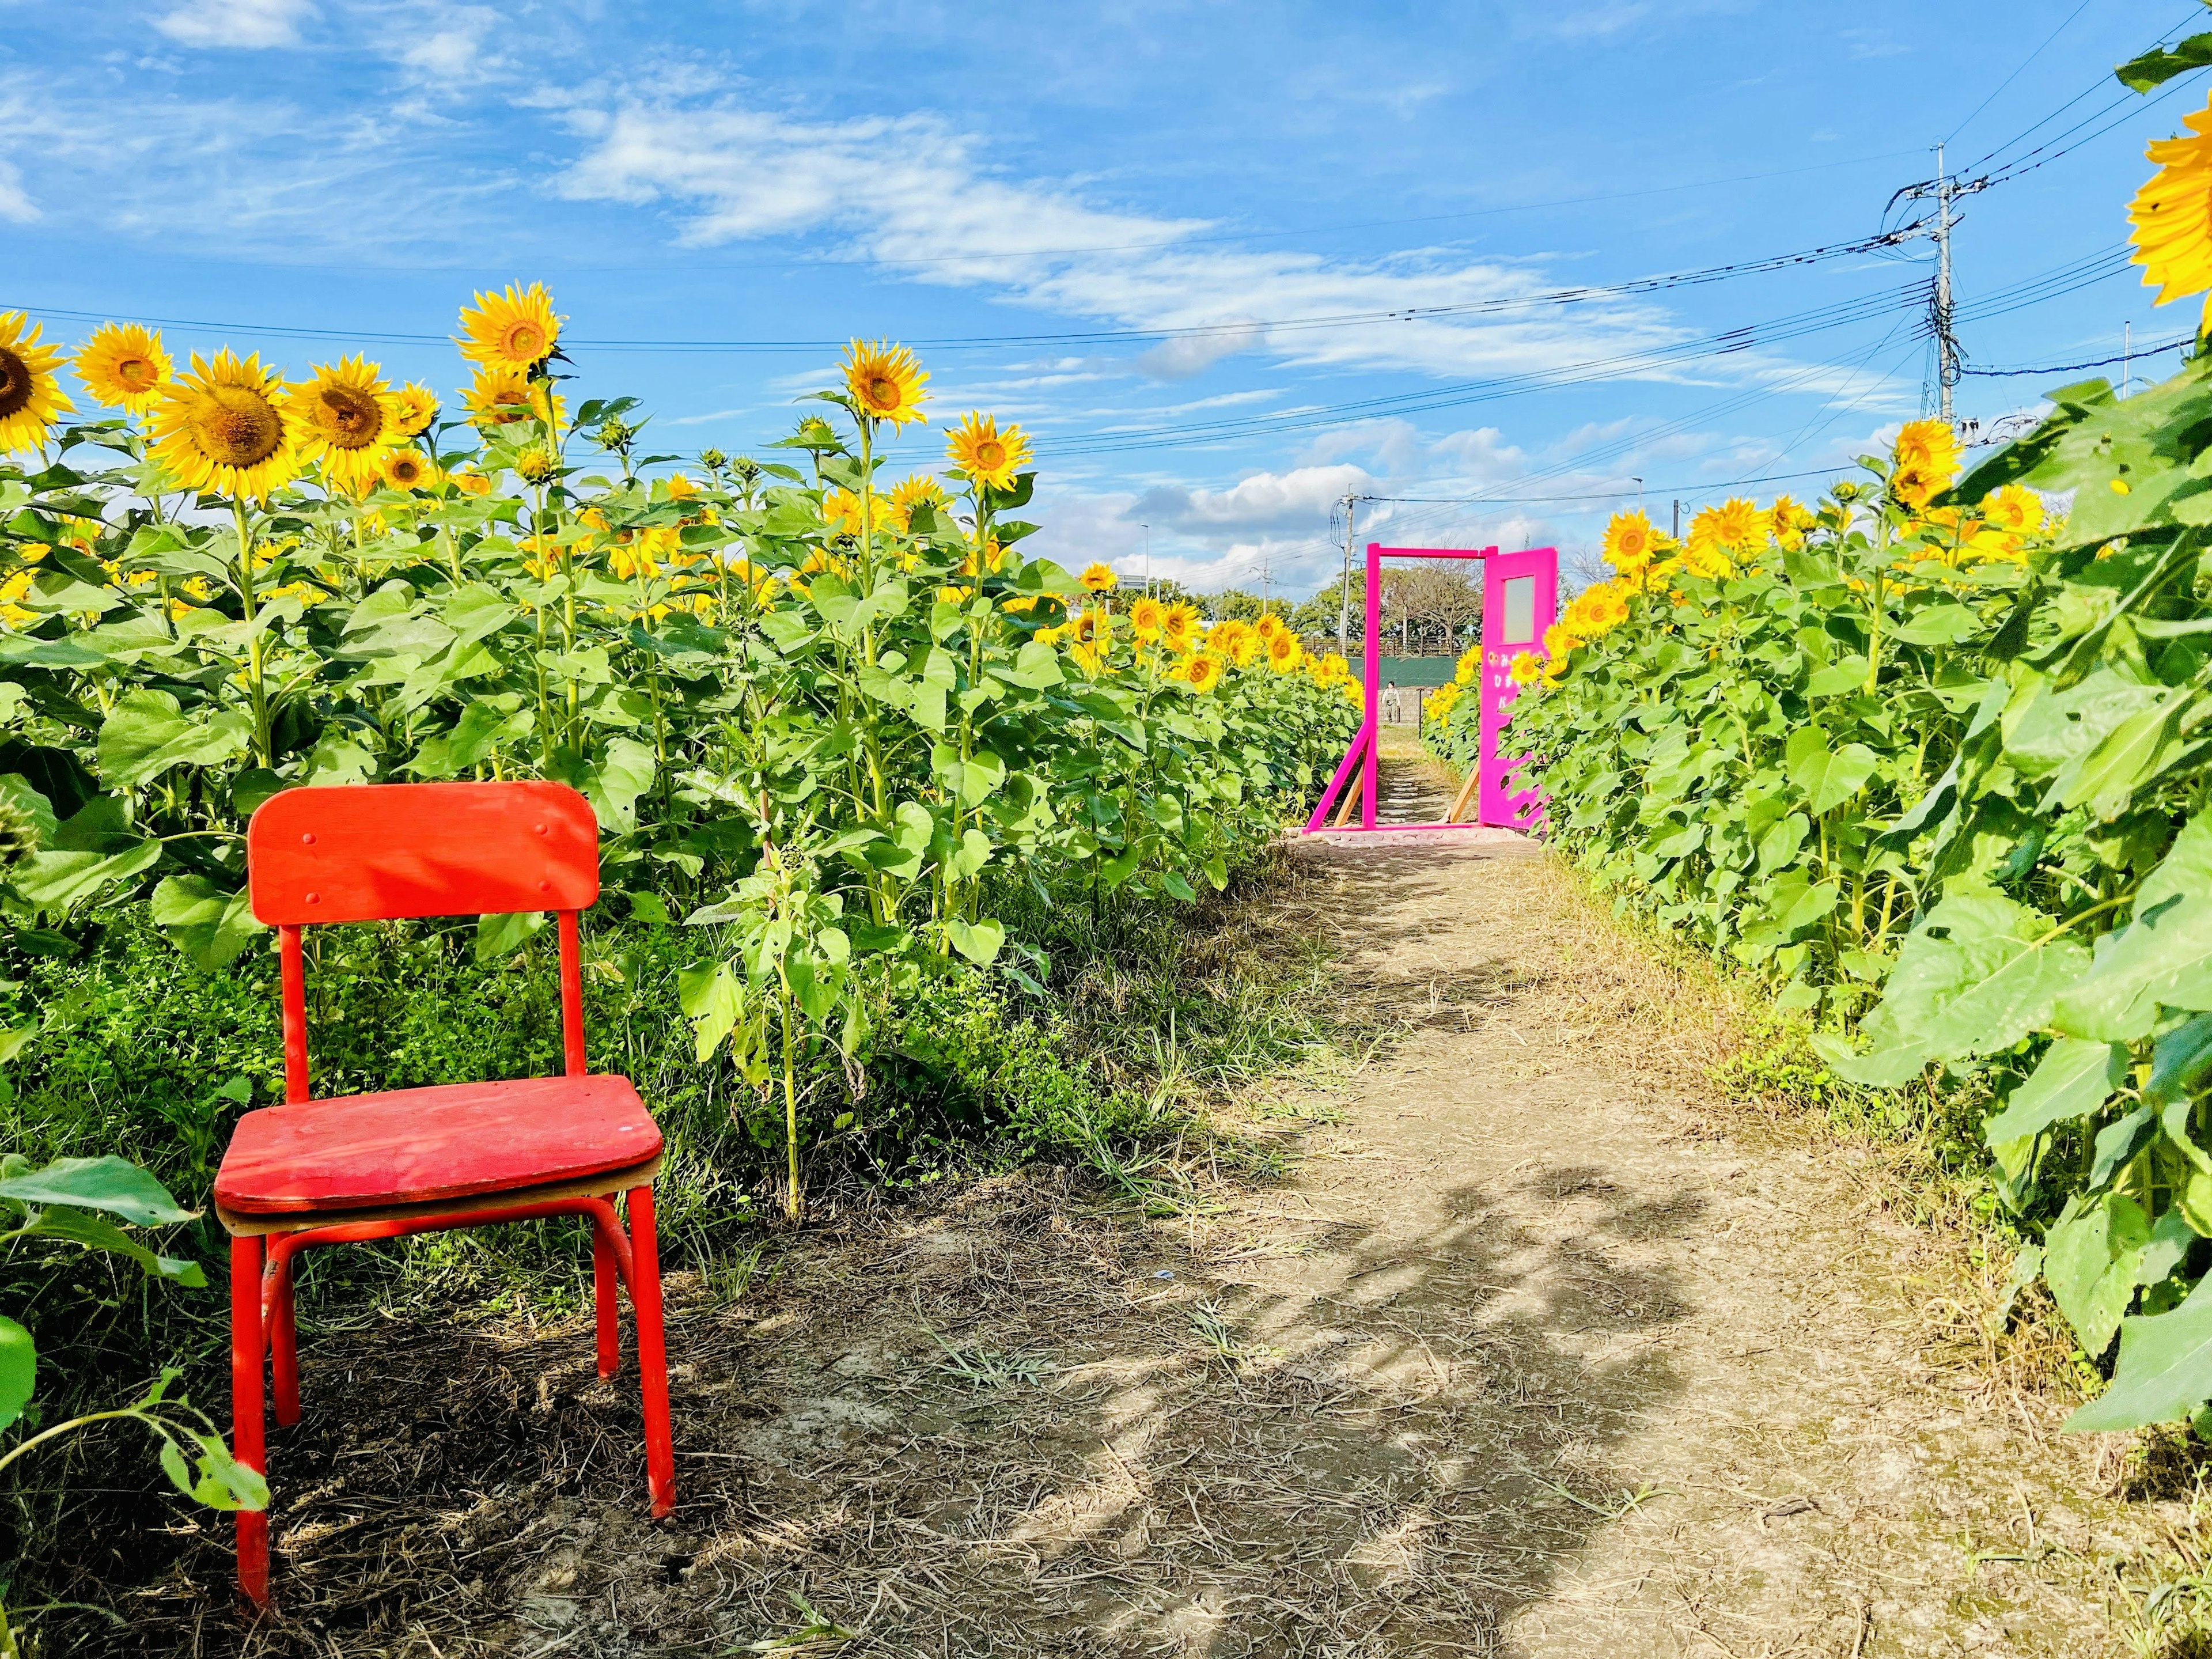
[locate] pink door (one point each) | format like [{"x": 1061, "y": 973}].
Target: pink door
[{"x": 1519, "y": 601}]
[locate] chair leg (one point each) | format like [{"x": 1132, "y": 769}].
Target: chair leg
[
  {"x": 284, "y": 1347},
  {"x": 245, "y": 1407},
  {"x": 606, "y": 1282},
  {"x": 652, "y": 1355}
]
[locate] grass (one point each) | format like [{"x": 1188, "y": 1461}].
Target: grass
[{"x": 1152, "y": 1015}]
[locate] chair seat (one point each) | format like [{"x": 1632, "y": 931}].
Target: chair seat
[{"x": 417, "y": 1145}]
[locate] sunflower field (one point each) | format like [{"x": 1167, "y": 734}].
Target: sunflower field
[
  {"x": 829, "y": 718},
  {"x": 1933, "y": 758}
]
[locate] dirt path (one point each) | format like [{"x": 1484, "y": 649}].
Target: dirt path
[{"x": 1525, "y": 1356}]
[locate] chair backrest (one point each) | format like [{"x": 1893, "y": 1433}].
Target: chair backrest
[{"x": 380, "y": 852}]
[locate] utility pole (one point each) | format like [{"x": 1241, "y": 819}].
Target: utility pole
[
  {"x": 1344, "y": 588},
  {"x": 1947, "y": 338},
  {"x": 1677, "y": 533},
  {"x": 1942, "y": 309},
  {"x": 1639, "y": 483},
  {"x": 1147, "y": 529},
  {"x": 2127, "y": 350}
]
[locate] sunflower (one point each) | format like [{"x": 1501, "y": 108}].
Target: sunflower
[
  {"x": 1628, "y": 542},
  {"x": 1284, "y": 652},
  {"x": 1180, "y": 626},
  {"x": 1099, "y": 579},
  {"x": 501, "y": 396},
  {"x": 2014, "y": 507},
  {"x": 681, "y": 488},
  {"x": 1266, "y": 628},
  {"x": 1915, "y": 485},
  {"x": 473, "y": 484},
  {"x": 885, "y": 381},
  {"x": 516, "y": 329},
  {"x": 1738, "y": 525},
  {"x": 1526, "y": 667},
  {"x": 918, "y": 489},
  {"x": 418, "y": 407},
  {"x": 123, "y": 367},
  {"x": 840, "y": 511},
  {"x": 1091, "y": 627},
  {"x": 1202, "y": 673},
  {"x": 409, "y": 469},
  {"x": 535, "y": 464},
  {"x": 228, "y": 426},
  {"x": 2173, "y": 213},
  {"x": 1147, "y": 616},
  {"x": 985, "y": 454},
  {"x": 1787, "y": 522},
  {"x": 347, "y": 417},
  {"x": 30, "y": 394},
  {"x": 1929, "y": 444}
]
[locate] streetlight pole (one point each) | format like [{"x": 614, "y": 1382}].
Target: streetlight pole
[
  {"x": 1344, "y": 587},
  {"x": 1147, "y": 529}
]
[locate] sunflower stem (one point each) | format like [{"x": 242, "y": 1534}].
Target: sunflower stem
[{"x": 256, "y": 687}]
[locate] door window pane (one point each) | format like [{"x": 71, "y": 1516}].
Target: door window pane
[{"x": 1519, "y": 611}]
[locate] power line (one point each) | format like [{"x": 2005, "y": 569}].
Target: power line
[
  {"x": 1563, "y": 296},
  {"x": 1952, "y": 137},
  {"x": 2101, "y": 362},
  {"x": 1727, "y": 342}
]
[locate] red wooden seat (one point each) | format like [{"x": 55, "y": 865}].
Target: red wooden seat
[
  {"x": 356, "y": 1167},
  {"x": 417, "y": 1145}
]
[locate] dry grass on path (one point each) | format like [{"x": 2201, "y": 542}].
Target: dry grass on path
[{"x": 1541, "y": 1348}]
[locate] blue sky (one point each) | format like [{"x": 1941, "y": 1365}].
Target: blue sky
[{"x": 1169, "y": 240}]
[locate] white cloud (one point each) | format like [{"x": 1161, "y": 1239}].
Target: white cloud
[
  {"x": 249, "y": 23},
  {"x": 913, "y": 193},
  {"x": 15, "y": 204},
  {"x": 452, "y": 54}
]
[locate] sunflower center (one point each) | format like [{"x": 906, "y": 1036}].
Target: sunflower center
[
  {"x": 883, "y": 392},
  {"x": 236, "y": 426},
  {"x": 15, "y": 383},
  {"x": 525, "y": 342},
  {"x": 990, "y": 455},
  {"x": 137, "y": 373},
  {"x": 350, "y": 419}
]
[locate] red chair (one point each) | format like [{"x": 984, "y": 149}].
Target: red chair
[{"x": 356, "y": 1167}]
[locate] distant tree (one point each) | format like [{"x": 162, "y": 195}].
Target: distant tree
[
  {"x": 1317, "y": 617},
  {"x": 1431, "y": 603},
  {"x": 1235, "y": 605}
]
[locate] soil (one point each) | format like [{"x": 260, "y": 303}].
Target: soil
[{"x": 1536, "y": 1347}]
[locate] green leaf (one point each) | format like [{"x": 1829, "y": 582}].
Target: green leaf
[
  {"x": 109, "y": 1183},
  {"x": 1813, "y": 905},
  {"x": 2164, "y": 1371},
  {"x": 978, "y": 941},
  {"x": 504, "y": 934},
  {"x": 19, "y": 1369},
  {"x": 2118, "y": 1141},
  {"x": 2161, "y": 63},
  {"x": 147, "y": 733},
  {"x": 94, "y": 1234},
  {"x": 2089, "y": 1261},
  {"x": 207, "y": 924},
  {"x": 1178, "y": 887},
  {"x": 712, "y": 1001},
  {"x": 59, "y": 881},
  {"x": 1977, "y": 975},
  {"x": 2074, "y": 1079},
  {"x": 2163, "y": 956},
  {"x": 1828, "y": 780},
  {"x": 16, "y": 790}
]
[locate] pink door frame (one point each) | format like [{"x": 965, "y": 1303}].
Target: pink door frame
[
  {"x": 1514, "y": 810},
  {"x": 1505, "y": 635}
]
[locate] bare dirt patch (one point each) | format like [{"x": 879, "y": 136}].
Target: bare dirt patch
[{"x": 1538, "y": 1349}]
